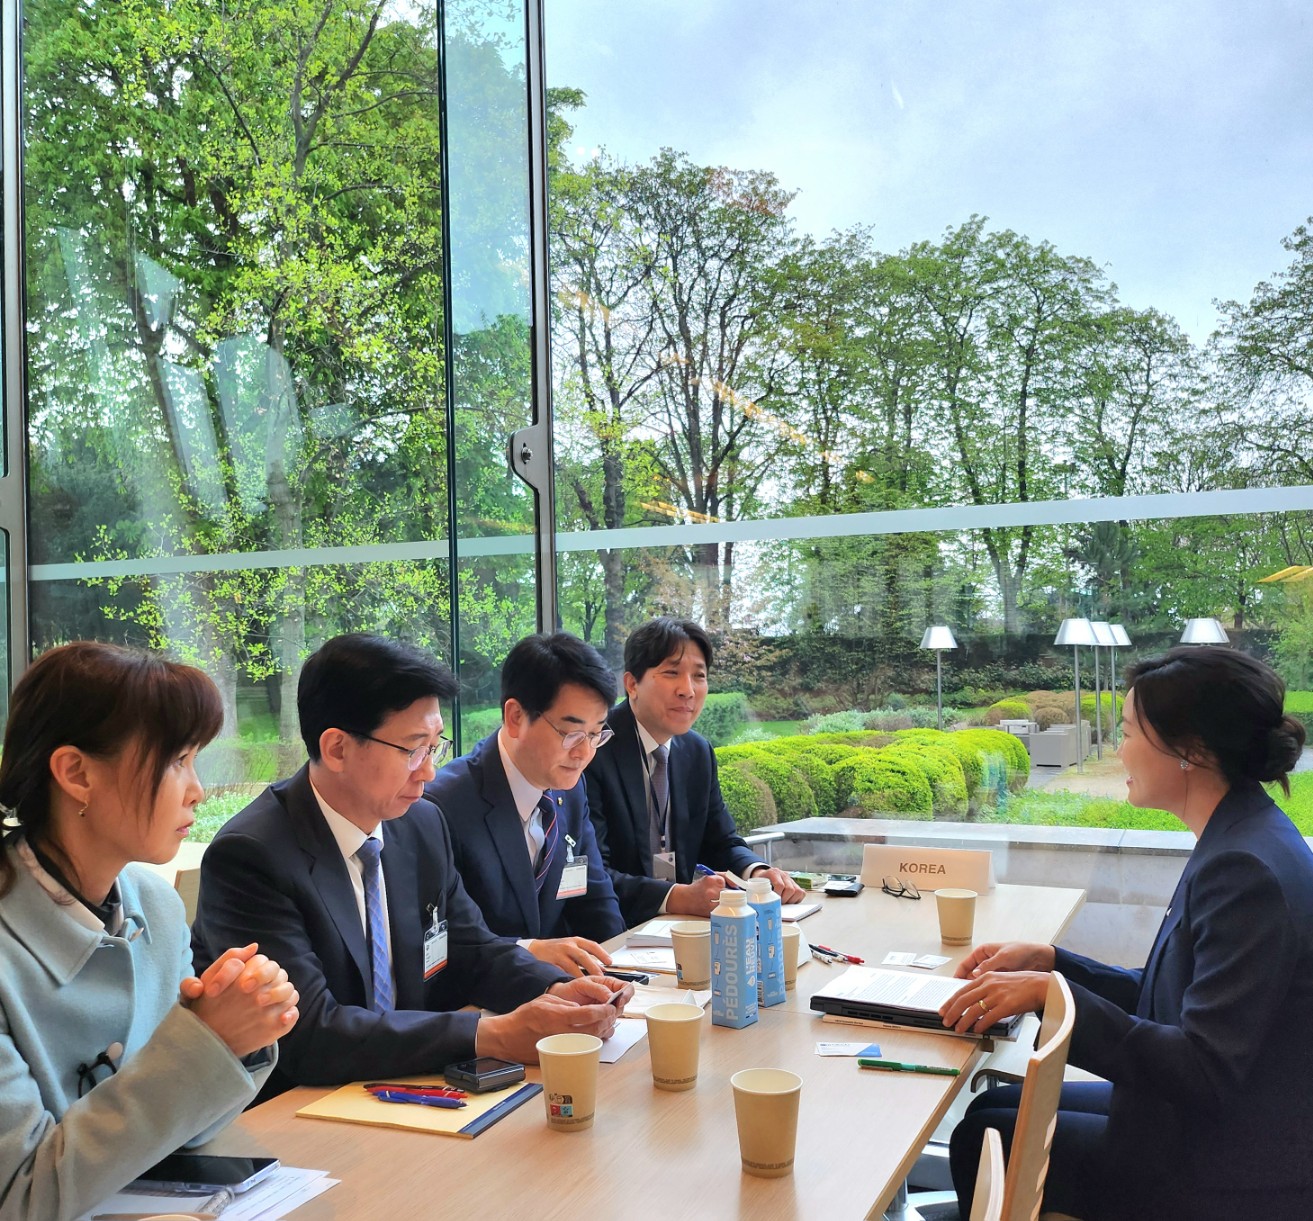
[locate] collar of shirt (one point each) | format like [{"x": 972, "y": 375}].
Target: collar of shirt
[
  {"x": 349, "y": 837},
  {"x": 76, "y": 910},
  {"x": 524, "y": 794},
  {"x": 649, "y": 742}
]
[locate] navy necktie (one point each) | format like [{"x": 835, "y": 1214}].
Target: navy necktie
[
  {"x": 368, "y": 855},
  {"x": 551, "y": 836}
]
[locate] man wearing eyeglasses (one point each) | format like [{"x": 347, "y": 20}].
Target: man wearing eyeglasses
[
  {"x": 517, "y": 810},
  {"x": 349, "y": 872}
]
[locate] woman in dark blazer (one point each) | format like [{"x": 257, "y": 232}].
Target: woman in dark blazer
[{"x": 1206, "y": 1110}]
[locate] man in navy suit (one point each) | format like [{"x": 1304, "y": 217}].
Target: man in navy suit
[
  {"x": 345, "y": 873},
  {"x": 518, "y": 814},
  {"x": 654, "y": 795}
]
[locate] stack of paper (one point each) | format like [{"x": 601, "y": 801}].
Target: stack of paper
[{"x": 273, "y": 1197}]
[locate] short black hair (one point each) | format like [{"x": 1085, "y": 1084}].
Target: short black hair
[
  {"x": 538, "y": 667},
  {"x": 354, "y": 682},
  {"x": 1223, "y": 702},
  {"x": 648, "y": 646}
]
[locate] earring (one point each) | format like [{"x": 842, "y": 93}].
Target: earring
[
  {"x": 82, "y": 813},
  {"x": 1185, "y": 765}
]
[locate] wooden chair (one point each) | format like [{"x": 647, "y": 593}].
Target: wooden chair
[
  {"x": 187, "y": 882},
  {"x": 1028, "y": 1159},
  {"x": 987, "y": 1205}
]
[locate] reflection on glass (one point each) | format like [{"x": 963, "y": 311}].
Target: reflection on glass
[
  {"x": 488, "y": 197},
  {"x": 237, "y": 446}
]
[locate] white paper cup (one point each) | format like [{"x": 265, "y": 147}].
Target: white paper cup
[
  {"x": 674, "y": 1036},
  {"x": 792, "y": 949},
  {"x": 766, "y": 1108},
  {"x": 957, "y": 915},
  {"x": 692, "y": 942},
  {"x": 569, "y": 1067}
]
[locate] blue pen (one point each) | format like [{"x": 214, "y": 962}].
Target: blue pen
[
  {"x": 707, "y": 872},
  {"x": 424, "y": 1100}
]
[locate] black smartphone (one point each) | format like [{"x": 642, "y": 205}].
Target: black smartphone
[
  {"x": 842, "y": 889},
  {"x": 206, "y": 1172},
  {"x": 483, "y": 1074}
]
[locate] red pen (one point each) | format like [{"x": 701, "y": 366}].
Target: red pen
[
  {"x": 825, "y": 949},
  {"x": 437, "y": 1091}
]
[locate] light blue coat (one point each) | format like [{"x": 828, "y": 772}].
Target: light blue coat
[{"x": 67, "y": 994}]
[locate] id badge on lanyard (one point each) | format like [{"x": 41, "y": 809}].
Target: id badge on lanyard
[
  {"x": 574, "y": 877},
  {"x": 435, "y": 945}
]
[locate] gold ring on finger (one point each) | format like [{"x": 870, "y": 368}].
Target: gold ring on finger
[{"x": 983, "y": 1007}]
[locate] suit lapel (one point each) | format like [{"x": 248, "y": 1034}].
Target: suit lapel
[
  {"x": 328, "y": 872},
  {"x": 502, "y": 821},
  {"x": 633, "y": 780}
]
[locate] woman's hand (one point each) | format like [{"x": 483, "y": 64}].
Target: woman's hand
[
  {"x": 245, "y": 998},
  {"x": 1005, "y": 956},
  {"x": 993, "y": 996}
]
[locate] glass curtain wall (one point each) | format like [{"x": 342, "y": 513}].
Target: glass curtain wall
[
  {"x": 984, "y": 316},
  {"x": 237, "y": 437}
]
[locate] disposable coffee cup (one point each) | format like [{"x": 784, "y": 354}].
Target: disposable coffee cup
[
  {"x": 674, "y": 1035},
  {"x": 792, "y": 948},
  {"x": 692, "y": 942},
  {"x": 569, "y": 1067},
  {"x": 957, "y": 915},
  {"x": 766, "y": 1108}
]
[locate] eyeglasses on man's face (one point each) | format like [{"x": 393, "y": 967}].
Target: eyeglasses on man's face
[
  {"x": 570, "y": 738},
  {"x": 415, "y": 756},
  {"x": 900, "y": 889}
]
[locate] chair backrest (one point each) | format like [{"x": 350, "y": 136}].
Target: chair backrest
[
  {"x": 987, "y": 1204},
  {"x": 1028, "y": 1161},
  {"x": 187, "y": 882}
]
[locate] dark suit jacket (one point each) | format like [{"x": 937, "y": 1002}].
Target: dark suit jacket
[
  {"x": 487, "y": 838},
  {"x": 274, "y": 874},
  {"x": 1208, "y": 1046},
  {"x": 699, "y": 827}
]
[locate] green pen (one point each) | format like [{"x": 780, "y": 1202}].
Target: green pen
[{"x": 894, "y": 1066}]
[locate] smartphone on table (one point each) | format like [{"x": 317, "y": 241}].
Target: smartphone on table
[
  {"x": 205, "y": 1172},
  {"x": 483, "y": 1074}
]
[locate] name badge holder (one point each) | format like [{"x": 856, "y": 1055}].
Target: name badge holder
[
  {"x": 574, "y": 877},
  {"x": 435, "y": 945}
]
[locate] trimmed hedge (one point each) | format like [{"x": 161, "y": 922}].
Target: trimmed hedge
[
  {"x": 786, "y": 780},
  {"x": 1003, "y": 745},
  {"x": 814, "y": 767},
  {"x": 723, "y": 717},
  {"x": 971, "y": 758},
  {"x": 747, "y": 797},
  {"x": 941, "y": 767},
  {"x": 879, "y": 784},
  {"x": 1007, "y": 710}
]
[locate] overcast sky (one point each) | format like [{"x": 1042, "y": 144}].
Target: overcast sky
[{"x": 1171, "y": 141}]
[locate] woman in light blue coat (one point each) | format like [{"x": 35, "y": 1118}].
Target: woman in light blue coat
[{"x": 111, "y": 1054}]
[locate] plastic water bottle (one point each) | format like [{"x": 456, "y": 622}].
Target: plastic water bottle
[
  {"x": 733, "y": 961},
  {"x": 770, "y": 941}
]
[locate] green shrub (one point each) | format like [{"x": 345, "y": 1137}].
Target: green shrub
[
  {"x": 1300, "y": 705},
  {"x": 942, "y": 769},
  {"x": 858, "y": 738},
  {"x": 970, "y": 758},
  {"x": 477, "y": 724},
  {"x": 782, "y": 774},
  {"x": 836, "y": 722},
  {"x": 819, "y": 776},
  {"x": 1007, "y": 710},
  {"x": 878, "y": 784},
  {"x": 819, "y": 748},
  {"x": 1006, "y": 746},
  {"x": 747, "y": 797},
  {"x": 723, "y": 717},
  {"x": 214, "y": 811},
  {"x": 1047, "y": 715}
]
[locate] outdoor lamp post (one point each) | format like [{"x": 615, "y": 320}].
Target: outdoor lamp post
[
  {"x": 1120, "y": 640},
  {"x": 1103, "y": 640},
  {"x": 1074, "y": 633},
  {"x": 939, "y": 639},
  {"x": 1204, "y": 631}
]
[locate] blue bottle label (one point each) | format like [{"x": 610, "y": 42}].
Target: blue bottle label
[{"x": 734, "y": 970}]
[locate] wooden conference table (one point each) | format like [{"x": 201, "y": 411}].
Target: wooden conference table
[{"x": 651, "y": 1152}]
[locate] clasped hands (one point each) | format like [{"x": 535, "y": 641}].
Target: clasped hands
[
  {"x": 244, "y": 997},
  {"x": 1007, "y": 978}
]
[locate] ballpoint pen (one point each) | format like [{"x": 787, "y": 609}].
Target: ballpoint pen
[
  {"x": 423, "y": 1100},
  {"x": 893, "y": 1066},
  {"x": 825, "y": 949},
  {"x": 707, "y": 872},
  {"x": 439, "y": 1091},
  {"x": 630, "y": 977}
]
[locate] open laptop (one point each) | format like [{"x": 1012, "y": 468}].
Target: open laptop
[{"x": 897, "y": 998}]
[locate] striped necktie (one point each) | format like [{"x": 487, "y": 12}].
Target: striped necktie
[
  {"x": 368, "y": 855},
  {"x": 551, "y": 837}
]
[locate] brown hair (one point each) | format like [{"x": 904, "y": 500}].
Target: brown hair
[{"x": 100, "y": 698}]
